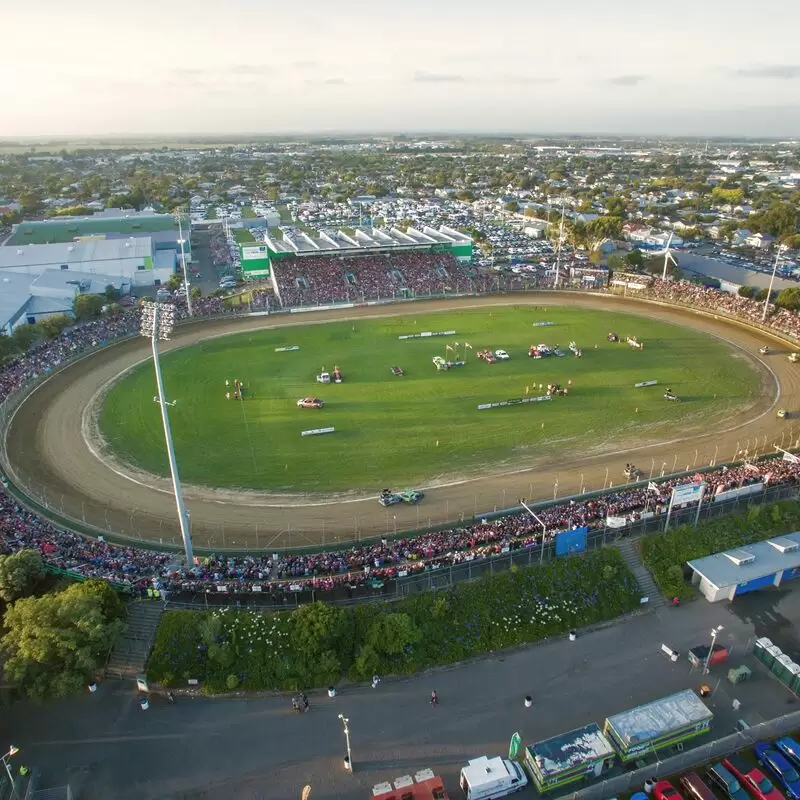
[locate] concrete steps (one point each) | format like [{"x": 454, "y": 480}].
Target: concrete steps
[
  {"x": 647, "y": 585},
  {"x": 132, "y": 648}
]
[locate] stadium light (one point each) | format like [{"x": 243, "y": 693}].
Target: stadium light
[
  {"x": 12, "y": 750},
  {"x": 158, "y": 320},
  {"x": 771, "y": 281},
  {"x": 181, "y": 241}
]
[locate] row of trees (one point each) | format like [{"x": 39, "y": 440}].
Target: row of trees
[{"x": 54, "y": 643}]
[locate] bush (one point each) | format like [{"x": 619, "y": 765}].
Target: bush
[
  {"x": 315, "y": 645},
  {"x": 665, "y": 554}
]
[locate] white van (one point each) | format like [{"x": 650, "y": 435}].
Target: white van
[{"x": 487, "y": 778}]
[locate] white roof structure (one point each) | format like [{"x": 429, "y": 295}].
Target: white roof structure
[
  {"x": 84, "y": 252},
  {"x": 333, "y": 241}
]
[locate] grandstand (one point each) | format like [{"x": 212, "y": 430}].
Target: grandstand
[{"x": 339, "y": 266}]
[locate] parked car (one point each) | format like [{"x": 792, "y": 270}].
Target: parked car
[
  {"x": 779, "y": 766},
  {"x": 752, "y": 778},
  {"x": 790, "y": 748},
  {"x": 694, "y": 788},
  {"x": 722, "y": 779},
  {"x": 664, "y": 790}
]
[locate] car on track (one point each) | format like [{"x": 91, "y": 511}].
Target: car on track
[
  {"x": 501, "y": 355},
  {"x": 631, "y": 472},
  {"x": 778, "y": 765},
  {"x": 782, "y": 413},
  {"x": 310, "y": 402},
  {"x": 765, "y": 351},
  {"x": 412, "y": 496},
  {"x": 389, "y": 498},
  {"x": 752, "y": 778},
  {"x": 398, "y": 372}
]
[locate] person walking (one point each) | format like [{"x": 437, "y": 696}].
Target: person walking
[
  {"x": 434, "y": 698},
  {"x": 375, "y": 681}
]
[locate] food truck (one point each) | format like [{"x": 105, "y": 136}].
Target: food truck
[
  {"x": 658, "y": 725},
  {"x": 571, "y": 757}
]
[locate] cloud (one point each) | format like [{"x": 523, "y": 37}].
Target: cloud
[
  {"x": 782, "y": 71},
  {"x": 626, "y": 80},
  {"x": 328, "y": 82},
  {"x": 437, "y": 77},
  {"x": 305, "y": 64},
  {"x": 525, "y": 80},
  {"x": 251, "y": 69}
]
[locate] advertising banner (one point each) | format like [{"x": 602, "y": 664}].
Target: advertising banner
[{"x": 688, "y": 493}]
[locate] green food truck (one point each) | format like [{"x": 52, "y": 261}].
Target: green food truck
[{"x": 658, "y": 725}]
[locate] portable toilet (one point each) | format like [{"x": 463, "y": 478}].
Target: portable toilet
[
  {"x": 781, "y": 668},
  {"x": 771, "y": 654},
  {"x": 760, "y": 647},
  {"x": 794, "y": 676}
]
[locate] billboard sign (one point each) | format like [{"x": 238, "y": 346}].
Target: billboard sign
[
  {"x": 688, "y": 493},
  {"x": 254, "y": 252}
]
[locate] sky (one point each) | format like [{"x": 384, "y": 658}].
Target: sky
[{"x": 686, "y": 67}]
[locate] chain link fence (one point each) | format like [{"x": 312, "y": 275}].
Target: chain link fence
[{"x": 688, "y": 759}]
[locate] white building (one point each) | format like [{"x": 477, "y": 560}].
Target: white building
[
  {"x": 133, "y": 259},
  {"x": 25, "y": 300}
]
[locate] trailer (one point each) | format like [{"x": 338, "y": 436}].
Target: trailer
[
  {"x": 657, "y": 726},
  {"x": 569, "y": 758}
]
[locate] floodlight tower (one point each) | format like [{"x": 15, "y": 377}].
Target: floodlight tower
[
  {"x": 181, "y": 242},
  {"x": 560, "y": 240},
  {"x": 158, "y": 320}
]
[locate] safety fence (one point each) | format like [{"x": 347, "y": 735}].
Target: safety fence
[{"x": 743, "y": 737}]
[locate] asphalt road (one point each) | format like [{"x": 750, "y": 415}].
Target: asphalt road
[
  {"x": 53, "y": 449},
  {"x": 209, "y": 749}
]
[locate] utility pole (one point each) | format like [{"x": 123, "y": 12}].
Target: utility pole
[
  {"x": 158, "y": 320},
  {"x": 345, "y": 724},
  {"x": 771, "y": 281},
  {"x": 560, "y": 240},
  {"x": 181, "y": 241}
]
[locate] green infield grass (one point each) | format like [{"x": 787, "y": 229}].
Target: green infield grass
[{"x": 424, "y": 426}]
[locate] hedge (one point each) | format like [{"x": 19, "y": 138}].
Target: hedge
[
  {"x": 665, "y": 554},
  {"x": 318, "y": 644}
]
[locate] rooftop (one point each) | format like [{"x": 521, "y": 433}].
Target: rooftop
[
  {"x": 650, "y": 721},
  {"x": 14, "y": 294},
  {"x": 66, "y": 229},
  {"x": 39, "y": 255},
  {"x": 756, "y": 560},
  {"x": 568, "y": 750}
]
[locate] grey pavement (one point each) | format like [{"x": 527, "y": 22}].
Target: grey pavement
[{"x": 207, "y": 748}]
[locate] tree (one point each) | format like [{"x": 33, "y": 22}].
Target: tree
[
  {"x": 615, "y": 262},
  {"x": 8, "y": 347},
  {"x": 112, "y": 293},
  {"x": 24, "y": 336},
  {"x": 512, "y": 206},
  {"x": 789, "y": 298},
  {"x": 52, "y": 327},
  {"x": 19, "y": 573},
  {"x": 616, "y": 206},
  {"x": 747, "y": 291},
  {"x": 196, "y": 292},
  {"x": 321, "y": 639},
  {"x": 88, "y": 306},
  {"x": 634, "y": 259},
  {"x": 732, "y": 197},
  {"x": 173, "y": 282},
  {"x": 55, "y": 642}
]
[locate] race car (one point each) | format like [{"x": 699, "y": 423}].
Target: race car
[
  {"x": 310, "y": 402},
  {"x": 782, "y": 413},
  {"x": 764, "y": 350},
  {"x": 389, "y": 498},
  {"x": 670, "y": 395},
  {"x": 412, "y": 496},
  {"x": 612, "y": 337},
  {"x": 398, "y": 372},
  {"x": 486, "y": 355},
  {"x": 501, "y": 355},
  {"x": 631, "y": 472}
]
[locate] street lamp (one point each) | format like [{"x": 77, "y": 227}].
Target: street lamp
[
  {"x": 771, "y": 281},
  {"x": 158, "y": 320},
  {"x": 11, "y": 751},
  {"x": 181, "y": 242},
  {"x": 345, "y": 724},
  {"x": 714, "y": 633}
]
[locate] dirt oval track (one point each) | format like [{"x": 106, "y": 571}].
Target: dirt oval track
[{"x": 54, "y": 457}]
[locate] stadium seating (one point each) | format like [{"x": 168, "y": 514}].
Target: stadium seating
[{"x": 353, "y": 566}]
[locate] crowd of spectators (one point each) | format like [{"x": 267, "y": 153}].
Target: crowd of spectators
[
  {"x": 384, "y": 559},
  {"x": 135, "y": 567},
  {"x": 319, "y": 280}
]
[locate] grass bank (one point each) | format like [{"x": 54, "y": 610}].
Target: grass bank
[{"x": 318, "y": 645}]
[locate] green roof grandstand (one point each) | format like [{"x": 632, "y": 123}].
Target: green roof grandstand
[{"x": 67, "y": 229}]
